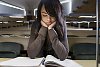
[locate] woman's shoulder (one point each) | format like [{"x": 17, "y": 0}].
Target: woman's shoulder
[{"x": 35, "y": 24}]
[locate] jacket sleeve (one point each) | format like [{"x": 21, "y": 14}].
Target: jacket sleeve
[
  {"x": 36, "y": 42},
  {"x": 61, "y": 48}
]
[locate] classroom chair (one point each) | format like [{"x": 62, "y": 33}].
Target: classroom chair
[
  {"x": 10, "y": 49},
  {"x": 84, "y": 51}
]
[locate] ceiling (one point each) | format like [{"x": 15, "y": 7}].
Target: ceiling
[
  {"x": 88, "y": 7},
  {"x": 26, "y": 4}
]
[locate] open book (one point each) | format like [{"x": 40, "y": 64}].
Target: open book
[
  {"x": 54, "y": 62},
  {"x": 49, "y": 61},
  {"x": 22, "y": 62}
]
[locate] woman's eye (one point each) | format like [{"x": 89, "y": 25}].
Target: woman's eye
[{"x": 44, "y": 15}]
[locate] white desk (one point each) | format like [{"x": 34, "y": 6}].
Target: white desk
[
  {"x": 84, "y": 63},
  {"x": 5, "y": 59}
]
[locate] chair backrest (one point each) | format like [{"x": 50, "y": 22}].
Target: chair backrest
[
  {"x": 10, "y": 49},
  {"x": 84, "y": 51}
]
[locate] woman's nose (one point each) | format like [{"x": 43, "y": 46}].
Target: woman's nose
[{"x": 49, "y": 18}]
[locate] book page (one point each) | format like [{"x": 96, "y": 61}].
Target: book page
[
  {"x": 65, "y": 63},
  {"x": 22, "y": 62}
]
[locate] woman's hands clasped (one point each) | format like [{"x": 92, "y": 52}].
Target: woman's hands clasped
[{"x": 48, "y": 25}]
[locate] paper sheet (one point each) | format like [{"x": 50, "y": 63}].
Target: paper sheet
[{"x": 22, "y": 61}]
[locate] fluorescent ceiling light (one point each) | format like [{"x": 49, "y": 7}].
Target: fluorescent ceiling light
[
  {"x": 87, "y": 16},
  {"x": 65, "y": 1},
  {"x": 35, "y": 11},
  {"x": 3, "y": 3}
]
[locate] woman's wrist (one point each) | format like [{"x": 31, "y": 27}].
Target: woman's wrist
[
  {"x": 49, "y": 28},
  {"x": 52, "y": 25}
]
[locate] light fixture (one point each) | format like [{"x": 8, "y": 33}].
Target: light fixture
[
  {"x": 65, "y": 1},
  {"x": 6, "y": 4},
  {"x": 35, "y": 12}
]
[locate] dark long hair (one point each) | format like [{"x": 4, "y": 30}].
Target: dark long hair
[{"x": 54, "y": 9}]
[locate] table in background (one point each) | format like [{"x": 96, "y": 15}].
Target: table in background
[{"x": 87, "y": 63}]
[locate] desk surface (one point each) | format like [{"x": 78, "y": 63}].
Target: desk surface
[
  {"x": 4, "y": 59},
  {"x": 87, "y": 63},
  {"x": 84, "y": 63}
]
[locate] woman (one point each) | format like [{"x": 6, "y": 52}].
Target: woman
[{"x": 48, "y": 32}]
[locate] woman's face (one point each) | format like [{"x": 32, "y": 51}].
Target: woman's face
[{"x": 45, "y": 17}]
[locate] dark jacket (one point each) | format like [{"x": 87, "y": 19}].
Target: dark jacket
[{"x": 44, "y": 42}]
